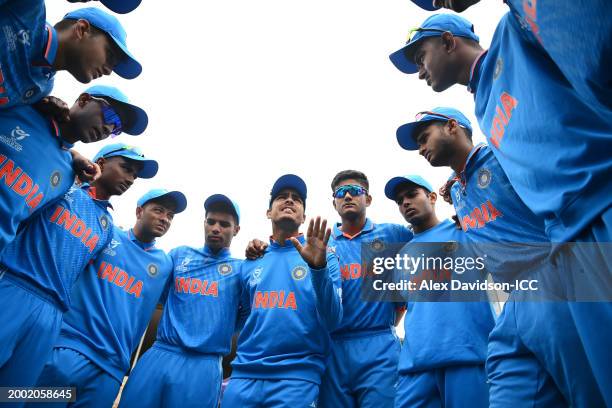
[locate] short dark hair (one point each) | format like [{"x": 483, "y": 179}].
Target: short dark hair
[
  {"x": 421, "y": 126},
  {"x": 222, "y": 208},
  {"x": 350, "y": 175},
  {"x": 163, "y": 201},
  {"x": 69, "y": 22}
]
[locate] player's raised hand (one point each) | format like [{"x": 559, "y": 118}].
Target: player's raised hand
[
  {"x": 314, "y": 252},
  {"x": 255, "y": 249},
  {"x": 54, "y": 108}
]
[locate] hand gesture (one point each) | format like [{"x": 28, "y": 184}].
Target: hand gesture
[
  {"x": 314, "y": 252},
  {"x": 53, "y": 108},
  {"x": 86, "y": 170},
  {"x": 255, "y": 249}
]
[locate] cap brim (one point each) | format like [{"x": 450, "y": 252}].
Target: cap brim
[
  {"x": 129, "y": 68},
  {"x": 180, "y": 200},
  {"x": 404, "y": 136},
  {"x": 290, "y": 181},
  {"x": 402, "y": 62},
  {"x": 121, "y": 6},
  {"x": 426, "y": 5},
  {"x": 392, "y": 185},
  {"x": 138, "y": 119}
]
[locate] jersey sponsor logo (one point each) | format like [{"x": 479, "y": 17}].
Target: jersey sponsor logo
[
  {"x": 484, "y": 178},
  {"x": 62, "y": 217},
  {"x": 256, "y": 276},
  {"x": 193, "y": 286},
  {"x": 275, "y": 300},
  {"x": 110, "y": 248},
  {"x": 120, "y": 278},
  {"x": 152, "y": 270},
  {"x": 299, "y": 273},
  {"x": 19, "y": 182},
  {"x": 183, "y": 267},
  {"x": 480, "y": 216},
  {"x": 12, "y": 140},
  {"x": 502, "y": 118},
  {"x": 23, "y": 36},
  {"x": 224, "y": 269}
]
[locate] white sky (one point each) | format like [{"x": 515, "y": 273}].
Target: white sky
[{"x": 239, "y": 92}]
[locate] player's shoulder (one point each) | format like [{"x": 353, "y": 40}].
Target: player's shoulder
[{"x": 394, "y": 232}]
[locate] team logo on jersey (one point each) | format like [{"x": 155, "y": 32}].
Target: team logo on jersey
[
  {"x": 450, "y": 246},
  {"x": 484, "y": 178},
  {"x": 30, "y": 93},
  {"x": 256, "y": 276},
  {"x": 377, "y": 245},
  {"x": 12, "y": 141},
  {"x": 152, "y": 270},
  {"x": 56, "y": 177},
  {"x": 104, "y": 222},
  {"x": 184, "y": 266},
  {"x": 224, "y": 269},
  {"x": 23, "y": 36},
  {"x": 313, "y": 404},
  {"x": 110, "y": 249},
  {"x": 499, "y": 67},
  {"x": 299, "y": 273}
]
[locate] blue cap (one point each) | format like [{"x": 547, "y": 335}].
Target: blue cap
[
  {"x": 434, "y": 26},
  {"x": 137, "y": 121},
  {"x": 392, "y": 184},
  {"x": 405, "y": 132},
  {"x": 149, "y": 168},
  {"x": 289, "y": 181},
  {"x": 426, "y": 4},
  {"x": 179, "y": 198},
  {"x": 222, "y": 199},
  {"x": 121, "y": 6},
  {"x": 128, "y": 68}
]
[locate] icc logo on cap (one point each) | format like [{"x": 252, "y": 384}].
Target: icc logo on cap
[
  {"x": 299, "y": 273},
  {"x": 224, "y": 269},
  {"x": 152, "y": 270}
]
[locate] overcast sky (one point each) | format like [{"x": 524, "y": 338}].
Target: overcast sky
[{"x": 239, "y": 92}]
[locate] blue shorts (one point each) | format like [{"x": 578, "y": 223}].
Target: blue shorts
[
  {"x": 69, "y": 368},
  {"x": 535, "y": 358},
  {"x": 361, "y": 371},
  {"x": 250, "y": 393},
  {"x": 451, "y": 387},
  {"x": 29, "y": 326},
  {"x": 167, "y": 376}
]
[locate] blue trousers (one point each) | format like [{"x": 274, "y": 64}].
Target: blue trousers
[
  {"x": 361, "y": 371},
  {"x": 251, "y": 393}
]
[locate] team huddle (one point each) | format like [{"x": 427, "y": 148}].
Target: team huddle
[{"x": 77, "y": 292}]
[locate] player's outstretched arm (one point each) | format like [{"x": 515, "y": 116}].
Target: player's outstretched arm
[
  {"x": 324, "y": 272},
  {"x": 86, "y": 170}
]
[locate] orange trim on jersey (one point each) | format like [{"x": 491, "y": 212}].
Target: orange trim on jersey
[{"x": 49, "y": 39}]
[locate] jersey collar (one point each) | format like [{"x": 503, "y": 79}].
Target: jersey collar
[
  {"x": 49, "y": 52},
  {"x": 276, "y": 245},
  {"x": 63, "y": 143},
  {"x": 475, "y": 72},
  {"x": 461, "y": 177},
  {"x": 222, "y": 253},
  {"x": 144, "y": 245},
  {"x": 337, "y": 232},
  {"x": 91, "y": 191}
]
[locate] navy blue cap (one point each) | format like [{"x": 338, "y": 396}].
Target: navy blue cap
[
  {"x": 179, "y": 198},
  {"x": 392, "y": 184},
  {"x": 426, "y": 4},
  {"x": 289, "y": 181},
  {"x": 223, "y": 199},
  {"x": 405, "y": 132},
  {"x": 129, "y": 67},
  {"x": 138, "y": 120},
  {"x": 149, "y": 168},
  {"x": 434, "y": 26},
  {"x": 121, "y": 6}
]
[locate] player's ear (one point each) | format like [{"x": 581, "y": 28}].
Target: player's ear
[
  {"x": 433, "y": 197},
  {"x": 81, "y": 29},
  {"x": 101, "y": 162},
  {"x": 139, "y": 211},
  {"x": 236, "y": 229},
  {"x": 268, "y": 212},
  {"x": 368, "y": 200},
  {"x": 449, "y": 41}
]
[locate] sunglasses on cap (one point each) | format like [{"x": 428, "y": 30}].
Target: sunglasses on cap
[
  {"x": 111, "y": 117},
  {"x": 421, "y": 115},
  {"x": 132, "y": 149},
  {"x": 353, "y": 190},
  {"x": 413, "y": 32}
]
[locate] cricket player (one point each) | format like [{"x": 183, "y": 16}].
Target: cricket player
[
  {"x": 112, "y": 303},
  {"x": 88, "y": 43},
  {"x": 566, "y": 188},
  {"x": 39, "y": 268},
  {"x": 445, "y": 346},
  {"x": 534, "y": 350},
  {"x": 30, "y": 183},
  {"x": 183, "y": 368},
  {"x": 294, "y": 293},
  {"x": 118, "y": 6},
  {"x": 362, "y": 368},
  {"x": 574, "y": 34}
]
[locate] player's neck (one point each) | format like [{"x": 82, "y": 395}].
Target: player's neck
[
  {"x": 467, "y": 59},
  {"x": 281, "y": 235},
  {"x": 102, "y": 193},
  {"x": 66, "y": 132},
  {"x": 142, "y": 235},
  {"x": 427, "y": 225},
  {"x": 459, "y": 159},
  {"x": 353, "y": 226},
  {"x": 60, "y": 56}
]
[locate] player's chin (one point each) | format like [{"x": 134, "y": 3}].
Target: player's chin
[{"x": 461, "y": 5}]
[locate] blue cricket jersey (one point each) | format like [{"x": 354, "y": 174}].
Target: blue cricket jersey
[
  {"x": 113, "y": 300},
  {"x": 490, "y": 211},
  {"x": 56, "y": 245},
  {"x": 554, "y": 149},
  {"x": 28, "y": 183},
  {"x": 202, "y": 306},
  {"x": 439, "y": 334},
  {"x": 552, "y": 26},
  {"x": 358, "y": 315},
  {"x": 28, "y": 47},
  {"x": 293, "y": 309}
]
